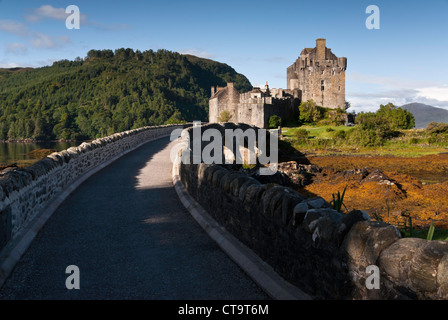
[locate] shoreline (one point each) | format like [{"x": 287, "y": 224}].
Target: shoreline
[{"x": 25, "y": 141}]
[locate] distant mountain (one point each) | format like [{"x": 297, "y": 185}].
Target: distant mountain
[
  {"x": 425, "y": 114},
  {"x": 107, "y": 92}
]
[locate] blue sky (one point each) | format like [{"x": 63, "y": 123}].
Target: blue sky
[{"x": 404, "y": 61}]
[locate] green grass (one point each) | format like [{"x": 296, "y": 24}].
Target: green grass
[
  {"x": 315, "y": 132},
  {"x": 321, "y": 141},
  {"x": 439, "y": 234}
]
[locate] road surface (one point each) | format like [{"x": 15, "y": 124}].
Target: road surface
[{"x": 131, "y": 238}]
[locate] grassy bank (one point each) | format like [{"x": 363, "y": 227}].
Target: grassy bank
[{"x": 329, "y": 140}]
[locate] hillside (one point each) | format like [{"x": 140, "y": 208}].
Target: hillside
[
  {"x": 425, "y": 114},
  {"x": 108, "y": 92}
]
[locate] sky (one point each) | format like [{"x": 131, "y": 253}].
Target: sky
[{"x": 403, "y": 61}]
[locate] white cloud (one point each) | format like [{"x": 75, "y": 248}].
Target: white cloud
[
  {"x": 388, "y": 82},
  {"x": 37, "y": 40},
  {"x": 399, "y": 91},
  {"x": 50, "y": 12},
  {"x": 433, "y": 96},
  {"x": 42, "y": 40},
  {"x": 9, "y": 65},
  {"x": 16, "y": 48},
  {"x": 197, "y": 52},
  {"x": 436, "y": 93},
  {"x": 16, "y": 28}
]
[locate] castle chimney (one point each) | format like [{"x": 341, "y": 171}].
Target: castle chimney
[
  {"x": 230, "y": 85},
  {"x": 321, "y": 49},
  {"x": 213, "y": 91}
]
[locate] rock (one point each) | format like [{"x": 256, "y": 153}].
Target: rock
[
  {"x": 299, "y": 213},
  {"x": 366, "y": 240},
  {"x": 237, "y": 183},
  {"x": 290, "y": 202},
  {"x": 317, "y": 203},
  {"x": 210, "y": 171},
  {"x": 313, "y": 215},
  {"x": 425, "y": 263},
  {"x": 270, "y": 199},
  {"x": 442, "y": 277},
  {"x": 396, "y": 260},
  {"x": 253, "y": 193},
  {"x": 353, "y": 217},
  {"x": 245, "y": 186},
  {"x": 217, "y": 176},
  {"x": 201, "y": 171}
]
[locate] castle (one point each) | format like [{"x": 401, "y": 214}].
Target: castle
[
  {"x": 320, "y": 76},
  {"x": 317, "y": 74}
]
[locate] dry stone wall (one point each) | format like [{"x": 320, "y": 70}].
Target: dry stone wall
[
  {"x": 324, "y": 252},
  {"x": 27, "y": 191}
]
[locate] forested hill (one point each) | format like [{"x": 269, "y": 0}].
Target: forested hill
[{"x": 107, "y": 92}]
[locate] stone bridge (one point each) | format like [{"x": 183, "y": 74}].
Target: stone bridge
[{"x": 140, "y": 227}]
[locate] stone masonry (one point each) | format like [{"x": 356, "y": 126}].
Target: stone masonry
[
  {"x": 320, "y": 250},
  {"x": 316, "y": 75},
  {"x": 26, "y": 192},
  {"x": 319, "y": 75},
  {"x": 254, "y": 107}
]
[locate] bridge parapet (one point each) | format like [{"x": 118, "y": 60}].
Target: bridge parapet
[
  {"x": 27, "y": 192},
  {"x": 327, "y": 254}
]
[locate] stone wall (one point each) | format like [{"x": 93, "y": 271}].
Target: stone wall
[
  {"x": 254, "y": 107},
  {"x": 25, "y": 192},
  {"x": 323, "y": 252},
  {"x": 320, "y": 75}
]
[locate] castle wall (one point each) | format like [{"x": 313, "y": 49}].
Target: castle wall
[
  {"x": 310, "y": 80},
  {"x": 213, "y": 110},
  {"x": 252, "y": 113},
  {"x": 318, "y": 69},
  {"x": 254, "y": 107},
  {"x": 225, "y": 99}
]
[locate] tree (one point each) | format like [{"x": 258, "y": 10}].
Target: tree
[
  {"x": 225, "y": 116},
  {"x": 310, "y": 112},
  {"x": 275, "y": 122},
  {"x": 109, "y": 92},
  {"x": 398, "y": 118}
]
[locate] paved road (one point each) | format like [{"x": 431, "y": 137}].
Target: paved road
[{"x": 131, "y": 238}]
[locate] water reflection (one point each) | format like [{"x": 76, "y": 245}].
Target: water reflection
[{"x": 11, "y": 153}]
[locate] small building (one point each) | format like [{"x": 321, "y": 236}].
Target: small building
[{"x": 254, "y": 107}]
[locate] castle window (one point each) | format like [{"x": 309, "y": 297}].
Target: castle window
[
  {"x": 323, "y": 71},
  {"x": 339, "y": 88},
  {"x": 322, "y": 85},
  {"x": 334, "y": 72}
]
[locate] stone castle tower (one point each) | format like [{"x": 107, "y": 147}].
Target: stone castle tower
[{"x": 319, "y": 75}]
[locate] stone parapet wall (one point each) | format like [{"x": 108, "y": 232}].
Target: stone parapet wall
[
  {"x": 25, "y": 192},
  {"x": 325, "y": 253}
]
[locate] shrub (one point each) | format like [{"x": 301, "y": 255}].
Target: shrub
[
  {"x": 340, "y": 134},
  {"x": 435, "y": 128},
  {"x": 337, "y": 116},
  {"x": 384, "y": 132},
  {"x": 364, "y": 137},
  {"x": 224, "y": 116},
  {"x": 301, "y": 135},
  {"x": 310, "y": 112},
  {"x": 275, "y": 121},
  {"x": 329, "y": 129},
  {"x": 389, "y": 116}
]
